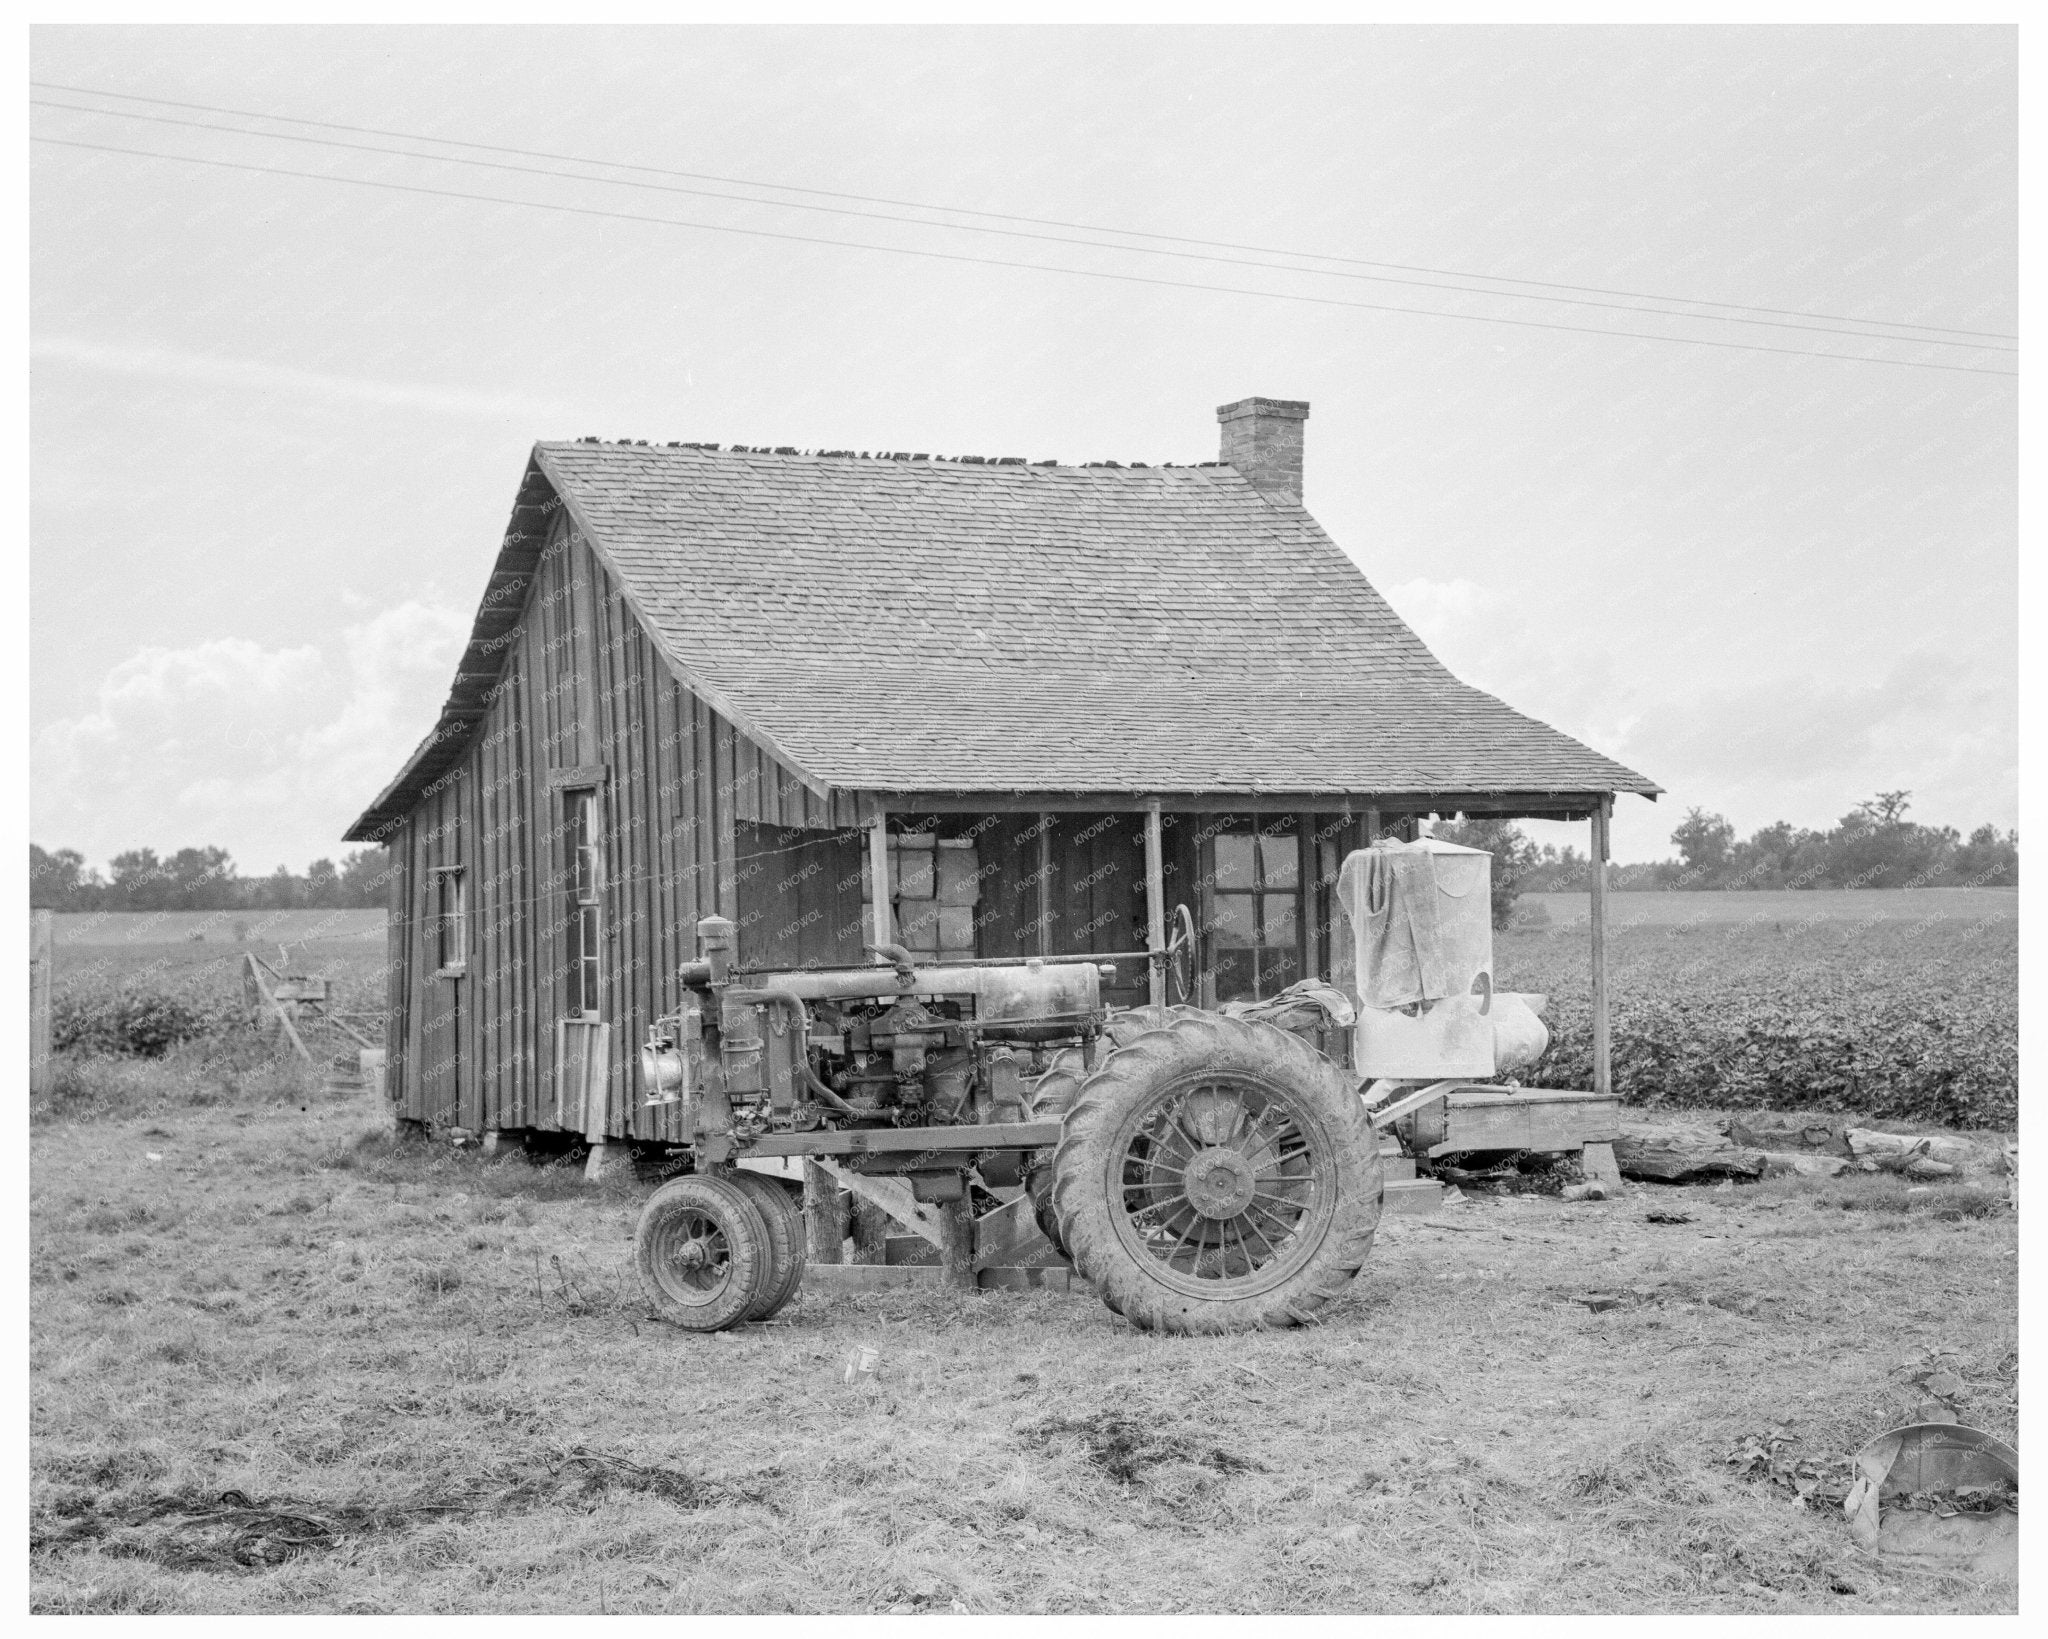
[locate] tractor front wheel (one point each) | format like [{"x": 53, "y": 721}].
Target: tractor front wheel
[
  {"x": 703, "y": 1252},
  {"x": 1217, "y": 1175}
]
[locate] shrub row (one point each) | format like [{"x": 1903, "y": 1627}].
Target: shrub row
[
  {"x": 1940, "y": 1059},
  {"x": 132, "y": 1022}
]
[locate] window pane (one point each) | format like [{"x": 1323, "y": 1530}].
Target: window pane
[
  {"x": 1279, "y": 915},
  {"x": 1234, "y": 927},
  {"x": 1280, "y": 861},
  {"x": 1234, "y": 862},
  {"x": 1235, "y": 980},
  {"x": 1278, "y": 968}
]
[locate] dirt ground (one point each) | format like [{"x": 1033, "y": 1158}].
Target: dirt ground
[{"x": 282, "y": 1362}]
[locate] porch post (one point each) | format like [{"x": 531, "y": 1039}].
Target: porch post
[
  {"x": 1155, "y": 902},
  {"x": 878, "y": 870},
  {"x": 1044, "y": 884},
  {"x": 1603, "y": 1069}
]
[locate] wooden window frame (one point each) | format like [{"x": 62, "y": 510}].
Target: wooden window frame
[
  {"x": 583, "y": 925},
  {"x": 1303, "y": 893},
  {"x": 446, "y": 921}
]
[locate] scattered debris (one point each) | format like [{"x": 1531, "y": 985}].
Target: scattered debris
[
  {"x": 1773, "y": 1457},
  {"x": 861, "y": 1362},
  {"x": 1125, "y": 1447},
  {"x": 1595, "y": 1191},
  {"x": 1599, "y": 1302},
  {"x": 1923, "y": 1155},
  {"x": 232, "y": 1531},
  {"x": 1663, "y": 1215}
]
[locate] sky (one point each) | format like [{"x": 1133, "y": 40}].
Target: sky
[{"x": 278, "y": 421}]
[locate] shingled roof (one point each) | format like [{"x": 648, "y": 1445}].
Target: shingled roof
[{"x": 910, "y": 625}]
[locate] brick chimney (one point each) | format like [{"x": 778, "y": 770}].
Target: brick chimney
[{"x": 1262, "y": 438}]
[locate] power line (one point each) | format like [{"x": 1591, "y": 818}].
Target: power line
[
  {"x": 998, "y": 216},
  {"x": 1011, "y": 233},
  {"x": 1033, "y": 267}
]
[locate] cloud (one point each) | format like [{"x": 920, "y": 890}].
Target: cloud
[
  {"x": 1756, "y": 748},
  {"x": 1499, "y": 642},
  {"x": 1806, "y": 749},
  {"x": 252, "y": 375},
  {"x": 268, "y": 753}
]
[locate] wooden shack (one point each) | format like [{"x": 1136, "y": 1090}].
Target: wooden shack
[{"x": 1042, "y": 705}]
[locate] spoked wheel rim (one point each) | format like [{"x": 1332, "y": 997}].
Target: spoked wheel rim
[
  {"x": 692, "y": 1257},
  {"x": 1222, "y": 1184}
]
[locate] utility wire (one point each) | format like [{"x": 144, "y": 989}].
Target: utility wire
[
  {"x": 1033, "y": 267},
  {"x": 999, "y": 216},
  {"x": 1010, "y": 233}
]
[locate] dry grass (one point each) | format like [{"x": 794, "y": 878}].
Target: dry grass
[{"x": 432, "y": 1380}]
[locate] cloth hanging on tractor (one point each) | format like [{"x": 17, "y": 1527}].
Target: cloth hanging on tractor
[
  {"x": 1305, "y": 1005},
  {"x": 1390, "y": 893}
]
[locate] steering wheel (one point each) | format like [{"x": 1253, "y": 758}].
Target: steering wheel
[{"x": 1180, "y": 953}]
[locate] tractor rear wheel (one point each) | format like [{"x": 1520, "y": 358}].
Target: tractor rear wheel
[
  {"x": 702, "y": 1250},
  {"x": 1217, "y": 1175},
  {"x": 1053, "y": 1093},
  {"x": 788, "y": 1248}
]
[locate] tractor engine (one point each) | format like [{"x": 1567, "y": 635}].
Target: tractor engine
[{"x": 893, "y": 1045}]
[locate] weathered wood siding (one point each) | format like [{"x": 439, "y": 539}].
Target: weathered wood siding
[{"x": 583, "y": 698}]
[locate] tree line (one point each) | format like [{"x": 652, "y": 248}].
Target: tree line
[
  {"x": 201, "y": 879},
  {"x": 1874, "y": 845}
]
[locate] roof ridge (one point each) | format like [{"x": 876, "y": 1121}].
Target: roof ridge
[{"x": 709, "y": 447}]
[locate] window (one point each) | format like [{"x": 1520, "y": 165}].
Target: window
[
  {"x": 1256, "y": 917},
  {"x": 451, "y": 919},
  {"x": 584, "y": 931}
]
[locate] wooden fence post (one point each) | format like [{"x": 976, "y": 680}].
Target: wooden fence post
[{"x": 41, "y": 961}]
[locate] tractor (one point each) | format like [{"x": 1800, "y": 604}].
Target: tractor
[{"x": 1204, "y": 1172}]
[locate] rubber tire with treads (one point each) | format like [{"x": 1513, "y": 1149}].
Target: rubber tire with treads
[
  {"x": 1052, "y": 1094},
  {"x": 1192, "y": 1048},
  {"x": 731, "y": 1211},
  {"x": 788, "y": 1247}
]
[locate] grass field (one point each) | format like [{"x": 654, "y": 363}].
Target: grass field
[{"x": 441, "y": 1365}]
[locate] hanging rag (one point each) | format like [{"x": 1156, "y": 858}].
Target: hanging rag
[{"x": 1390, "y": 893}]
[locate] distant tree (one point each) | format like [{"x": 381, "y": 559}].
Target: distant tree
[
  {"x": 201, "y": 879},
  {"x": 1874, "y": 846},
  {"x": 1703, "y": 842},
  {"x": 365, "y": 878},
  {"x": 280, "y": 891},
  {"x": 1886, "y": 808},
  {"x": 138, "y": 882},
  {"x": 58, "y": 882},
  {"x": 1989, "y": 860},
  {"x": 322, "y": 887}
]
